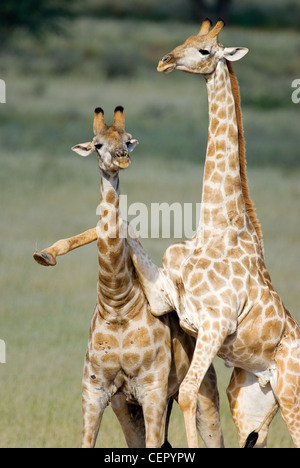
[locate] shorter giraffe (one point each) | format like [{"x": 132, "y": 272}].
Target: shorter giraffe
[{"x": 132, "y": 356}]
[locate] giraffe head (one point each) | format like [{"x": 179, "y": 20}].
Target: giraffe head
[
  {"x": 111, "y": 143},
  {"x": 200, "y": 54}
]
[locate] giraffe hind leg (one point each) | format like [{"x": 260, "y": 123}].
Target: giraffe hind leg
[
  {"x": 253, "y": 408},
  {"x": 131, "y": 419},
  {"x": 288, "y": 386}
]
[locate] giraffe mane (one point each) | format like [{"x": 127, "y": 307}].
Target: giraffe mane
[{"x": 242, "y": 154}]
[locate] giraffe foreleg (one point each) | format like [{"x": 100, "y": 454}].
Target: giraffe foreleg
[
  {"x": 47, "y": 257},
  {"x": 96, "y": 395},
  {"x": 207, "y": 416},
  {"x": 155, "y": 411},
  {"x": 207, "y": 345},
  {"x": 94, "y": 402}
]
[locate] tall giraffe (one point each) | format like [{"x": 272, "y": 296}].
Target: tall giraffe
[
  {"x": 218, "y": 282},
  {"x": 130, "y": 353}
]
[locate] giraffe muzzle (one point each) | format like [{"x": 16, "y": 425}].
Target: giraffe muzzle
[
  {"x": 167, "y": 64},
  {"x": 122, "y": 159}
]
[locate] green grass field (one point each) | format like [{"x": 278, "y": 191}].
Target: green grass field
[{"x": 47, "y": 193}]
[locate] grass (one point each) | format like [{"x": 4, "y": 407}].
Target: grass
[
  {"x": 46, "y": 312},
  {"x": 48, "y": 193}
]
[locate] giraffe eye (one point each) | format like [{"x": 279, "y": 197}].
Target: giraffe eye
[
  {"x": 98, "y": 146},
  {"x": 204, "y": 52}
]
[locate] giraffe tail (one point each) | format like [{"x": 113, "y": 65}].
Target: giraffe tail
[
  {"x": 253, "y": 436},
  {"x": 251, "y": 440}
]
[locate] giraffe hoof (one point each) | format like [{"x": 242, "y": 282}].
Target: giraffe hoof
[
  {"x": 166, "y": 446},
  {"x": 44, "y": 259}
]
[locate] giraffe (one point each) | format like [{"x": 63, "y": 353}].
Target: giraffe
[
  {"x": 218, "y": 282},
  {"x": 134, "y": 360}
]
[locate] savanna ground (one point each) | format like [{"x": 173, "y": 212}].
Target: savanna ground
[{"x": 47, "y": 193}]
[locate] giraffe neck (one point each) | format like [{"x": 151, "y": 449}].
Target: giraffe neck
[
  {"x": 223, "y": 202},
  {"x": 115, "y": 282}
]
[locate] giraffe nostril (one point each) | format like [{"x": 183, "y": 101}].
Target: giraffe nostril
[{"x": 122, "y": 154}]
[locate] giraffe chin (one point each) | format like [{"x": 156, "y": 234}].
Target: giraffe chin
[{"x": 122, "y": 163}]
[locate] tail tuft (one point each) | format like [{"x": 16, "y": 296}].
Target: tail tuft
[{"x": 251, "y": 440}]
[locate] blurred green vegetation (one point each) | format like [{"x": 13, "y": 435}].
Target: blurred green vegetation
[
  {"x": 122, "y": 55},
  {"x": 37, "y": 17},
  {"x": 46, "y": 192},
  {"x": 249, "y": 13}
]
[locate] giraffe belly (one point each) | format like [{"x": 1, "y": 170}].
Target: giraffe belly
[
  {"x": 264, "y": 377},
  {"x": 236, "y": 354},
  {"x": 268, "y": 376}
]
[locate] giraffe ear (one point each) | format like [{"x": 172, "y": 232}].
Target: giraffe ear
[
  {"x": 131, "y": 145},
  {"x": 234, "y": 53},
  {"x": 84, "y": 149}
]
